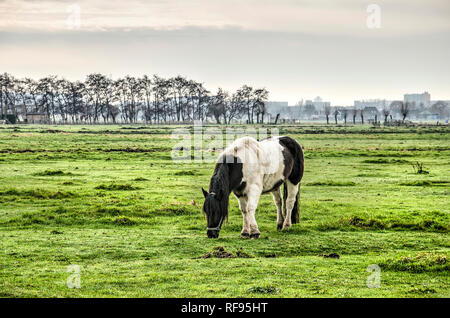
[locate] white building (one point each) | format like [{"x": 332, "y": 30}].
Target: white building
[{"x": 422, "y": 100}]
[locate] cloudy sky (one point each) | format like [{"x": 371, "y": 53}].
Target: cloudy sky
[{"x": 297, "y": 49}]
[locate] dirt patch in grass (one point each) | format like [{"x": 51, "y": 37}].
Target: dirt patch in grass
[
  {"x": 51, "y": 131},
  {"x": 127, "y": 149},
  {"x": 424, "y": 262},
  {"x": 116, "y": 187}
]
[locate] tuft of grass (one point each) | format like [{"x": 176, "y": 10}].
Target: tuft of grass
[
  {"x": 376, "y": 224},
  {"x": 123, "y": 220},
  {"x": 425, "y": 183},
  {"x": 268, "y": 289},
  {"x": 116, "y": 187},
  {"x": 423, "y": 262},
  {"x": 385, "y": 161},
  {"x": 218, "y": 252},
  {"x": 221, "y": 252},
  {"x": 422, "y": 290},
  {"x": 419, "y": 168},
  {"x": 140, "y": 179},
  {"x": 38, "y": 193},
  {"x": 332, "y": 183},
  {"x": 362, "y": 223},
  {"x": 53, "y": 173},
  {"x": 186, "y": 173},
  {"x": 242, "y": 254}
]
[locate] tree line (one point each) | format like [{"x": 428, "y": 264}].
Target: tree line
[{"x": 100, "y": 99}]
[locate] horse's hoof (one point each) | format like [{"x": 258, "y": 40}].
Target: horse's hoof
[
  {"x": 254, "y": 235},
  {"x": 245, "y": 235},
  {"x": 279, "y": 226}
]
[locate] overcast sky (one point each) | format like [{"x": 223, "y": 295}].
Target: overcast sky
[{"x": 297, "y": 49}]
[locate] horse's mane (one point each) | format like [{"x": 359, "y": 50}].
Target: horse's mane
[{"x": 220, "y": 185}]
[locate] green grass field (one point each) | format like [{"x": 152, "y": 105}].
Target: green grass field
[{"x": 111, "y": 200}]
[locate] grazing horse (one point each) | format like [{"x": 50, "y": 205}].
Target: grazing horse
[{"x": 249, "y": 168}]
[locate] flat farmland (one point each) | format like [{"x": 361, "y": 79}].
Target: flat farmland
[{"x": 111, "y": 201}]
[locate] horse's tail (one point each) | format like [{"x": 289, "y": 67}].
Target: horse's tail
[
  {"x": 296, "y": 174},
  {"x": 295, "y": 215}
]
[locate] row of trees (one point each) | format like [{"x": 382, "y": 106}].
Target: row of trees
[
  {"x": 100, "y": 99},
  {"x": 402, "y": 107}
]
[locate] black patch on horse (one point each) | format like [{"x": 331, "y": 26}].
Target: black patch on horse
[
  {"x": 239, "y": 190},
  {"x": 275, "y": 186},
  {"x": 293, "y": 159}
]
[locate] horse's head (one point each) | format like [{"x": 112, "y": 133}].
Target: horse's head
[{"x": 216, "y": 209}]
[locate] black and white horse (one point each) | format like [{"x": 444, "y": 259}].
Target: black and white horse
[{"x": 249, "y": 168}]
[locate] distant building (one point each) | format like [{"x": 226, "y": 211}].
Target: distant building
[
  {"x": 37, "y": 118},
  {"x": 318, "y": 104},
  {"x": 273, "y": 107},
  {"x": 418, "y": 100},
  {"x": 379, "y": 104},
  {"x": 282, "y": 108}
]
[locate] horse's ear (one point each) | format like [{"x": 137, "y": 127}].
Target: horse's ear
[{"x": 205, "y": 193}]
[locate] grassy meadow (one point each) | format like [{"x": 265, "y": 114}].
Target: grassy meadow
[{"x": 111, "y": 200}]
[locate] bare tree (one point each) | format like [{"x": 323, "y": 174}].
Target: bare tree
[
  {"x": 354, "y": 114},
  {"x": 327, "y": 110},
  {"x": 345, "y": 113},
  {"x": 336, "y": 113},
  {"x": 260, "y": 96},
  {"x": 402, "y": 107},
  {"x": 405, "y": 108},
  {"x": 386, "y": 113},
  {"x": 217, "y": 105}
]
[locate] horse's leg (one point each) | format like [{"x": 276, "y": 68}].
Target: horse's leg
[
  {"x": 243, "y": 206},
  {"x": 278, "y": 199},
  {"x": 253, "y": 198},
  {"x": 290, "y": 201}
]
